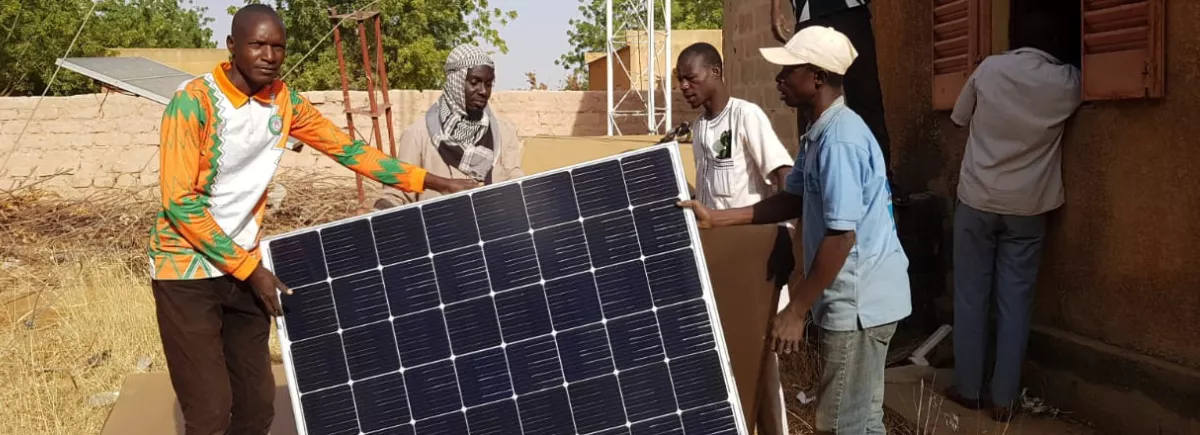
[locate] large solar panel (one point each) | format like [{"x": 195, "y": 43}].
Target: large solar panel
[
  {"x": 138, "y": 75},
  {"x": 569, "y": 302}
]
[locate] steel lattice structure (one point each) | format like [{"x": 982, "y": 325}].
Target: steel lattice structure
[{"x": 635, "y": 15}]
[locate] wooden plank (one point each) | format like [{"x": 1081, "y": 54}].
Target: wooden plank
[
  {"x": 946, "y": 88},
  {"x": 1090, "y": 5},
  {"x": 1116, "y": 75},
  {"x": 1117, "y": 40},
  {"x": 1122, "y": 52}
]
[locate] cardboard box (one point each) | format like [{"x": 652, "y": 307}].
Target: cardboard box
[{"x": 147, "y": 405}]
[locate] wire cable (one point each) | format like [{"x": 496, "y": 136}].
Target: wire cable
[{"x": 17, "y": 142}]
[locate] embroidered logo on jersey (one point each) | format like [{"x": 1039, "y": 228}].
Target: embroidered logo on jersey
[{"x": 275, "y": 124}]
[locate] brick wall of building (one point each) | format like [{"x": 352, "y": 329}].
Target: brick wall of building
[
  {"x": 83, "y": 142},
  {"x": 748, "y": 28}
]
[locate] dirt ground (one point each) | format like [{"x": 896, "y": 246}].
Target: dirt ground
[{"x": 77, "y": 314}]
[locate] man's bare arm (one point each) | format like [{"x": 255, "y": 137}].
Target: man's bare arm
[
  {"x": 777, "y": 26},
  {"x": 828, "y": 262},
  {"x": 779, "y": 177},
  {"x": 780, "y": 207}
]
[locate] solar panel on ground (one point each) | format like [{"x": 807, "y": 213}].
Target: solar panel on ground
[
  {"x": 138, "y": 75},
  {"x": 569, "y": 302}
]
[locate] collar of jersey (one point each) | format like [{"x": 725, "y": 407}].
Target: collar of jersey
[{"x": 236, "y": 96}]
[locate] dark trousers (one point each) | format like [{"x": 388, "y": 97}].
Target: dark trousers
[
  {"x": 861, "y": 83},
  {"x": 996, "y": 259},
  {"x": 214, "y": 334}
]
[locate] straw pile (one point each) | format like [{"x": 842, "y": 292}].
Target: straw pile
[
  {"x": 76, "y": 311},
  {"x": 77, "y": 314}
]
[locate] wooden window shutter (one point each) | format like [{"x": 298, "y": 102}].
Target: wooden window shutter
[
  {"x": 961, "y": 39},
  {"x": 1122, "y": 49}
]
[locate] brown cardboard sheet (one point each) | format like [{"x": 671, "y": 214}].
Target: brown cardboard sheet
[
  {"x": 147, "y": 405},
  {"x": 737, "y": 258}
]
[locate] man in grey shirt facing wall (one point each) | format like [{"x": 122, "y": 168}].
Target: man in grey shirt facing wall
[{"x": 1016, "y": 105}]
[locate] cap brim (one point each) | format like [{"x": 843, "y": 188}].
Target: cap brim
[{"x": 780, "y": 56}]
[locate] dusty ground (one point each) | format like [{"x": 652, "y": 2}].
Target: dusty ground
[{"x": 77, "y": 315}]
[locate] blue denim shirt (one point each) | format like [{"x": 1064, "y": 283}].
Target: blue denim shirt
[{"x": 842, "y": 177}]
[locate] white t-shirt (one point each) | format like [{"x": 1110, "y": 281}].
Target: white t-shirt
[{"x": 735, "y": 152}]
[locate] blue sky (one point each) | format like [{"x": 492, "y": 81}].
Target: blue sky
[{"x": 535, "y": 39}]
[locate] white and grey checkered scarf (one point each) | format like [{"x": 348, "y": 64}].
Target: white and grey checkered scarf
[{"x": 459, "y": 132}]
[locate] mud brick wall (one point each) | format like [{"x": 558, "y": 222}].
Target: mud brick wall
[{"x": 75, "y": 144}]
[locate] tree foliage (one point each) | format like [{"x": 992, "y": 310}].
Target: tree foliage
[
  {"x": 417, "y": 37},
  {"x": 588, "y": 33},
  {"x": 36, "y": 33},
  {"x": 533, "y": 82}
]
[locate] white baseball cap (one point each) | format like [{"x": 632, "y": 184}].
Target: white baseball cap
[{"x": 816, "y": 45}]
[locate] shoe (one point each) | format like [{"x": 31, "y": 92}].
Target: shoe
[{"x": 956, "y": 397}]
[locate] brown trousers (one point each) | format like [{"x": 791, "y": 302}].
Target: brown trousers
[{"x": 214, "y": 334}]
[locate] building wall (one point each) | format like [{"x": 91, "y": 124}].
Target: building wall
[
  {"x": 634, "y": 55},
  {"x": 598, "y": 72},
  {"x": 748, "y": 28},
  {"x": 1119, "y": 270},
  {"x": 84, "y": 142},
  {"x": 191, "y": 60}
]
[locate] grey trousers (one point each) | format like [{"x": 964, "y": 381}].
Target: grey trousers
[
  {"x": 994, "y": 255},
  {"x": 850, "y": 398}
]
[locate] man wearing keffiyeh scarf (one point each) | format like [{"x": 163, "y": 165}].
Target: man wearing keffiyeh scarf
[
  {"x": 460, "y": 137},
  {"x": 461, "y": 113}
]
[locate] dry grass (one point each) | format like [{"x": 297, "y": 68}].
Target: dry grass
[
  {"x": 75, "y": 303},
  {"x": 77, "y": 336},
  {"x": 801, "y": 372},
  {"x": 78, "y": 316}
]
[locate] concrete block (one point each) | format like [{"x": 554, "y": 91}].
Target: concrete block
[
  {"x": 139, "y": 125},
  {"x": 112, "y": 139},
  {"x": 119, "y": 110},
  {"x": 80, "y": 113},
  {"x": 153, "y": 110},
  {"x": 20, "y": 166},
  {"x": 147, "y": 138},
  {"x": 1121, "y": 390},
  {"x": 151, "y": 171},
  {"x": 77, "y": 102},
  {"x": 96, "y": 125},
  {"x": 55, "y": 161},
  {"x": 135, "y": 160},
  {"x": 58, "y": 126},
  {"x": 21, "y": 103},
  {"x": 77, "y": 179},
  {"x": 127, "y": 181},
  {"x": 65, "y": 141},
  {"x": 105, "y": 180}
]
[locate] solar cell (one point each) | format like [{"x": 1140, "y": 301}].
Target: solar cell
[
  {"x": 139, "y": 75},
  {"x": 569, "y": 302}
]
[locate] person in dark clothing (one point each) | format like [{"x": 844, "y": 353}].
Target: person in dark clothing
[{"x": 861, "y": 83}]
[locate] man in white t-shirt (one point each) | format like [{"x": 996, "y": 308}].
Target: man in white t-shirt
[{"x": 739, "y": 162}]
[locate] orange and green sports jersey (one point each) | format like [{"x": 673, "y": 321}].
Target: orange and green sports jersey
[{"x": 220, "y": 148}]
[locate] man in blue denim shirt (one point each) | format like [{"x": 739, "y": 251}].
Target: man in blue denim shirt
[{"x": 855, "y": 271}]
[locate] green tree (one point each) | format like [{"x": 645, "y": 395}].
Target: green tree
[
  {"x": 417, "y": 37},
  {"x": 36, "y": 33},
  {"x": 588, "y": 32}
]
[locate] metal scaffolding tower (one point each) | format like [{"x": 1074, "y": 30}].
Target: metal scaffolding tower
[{"x": 634, "y": 16}]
